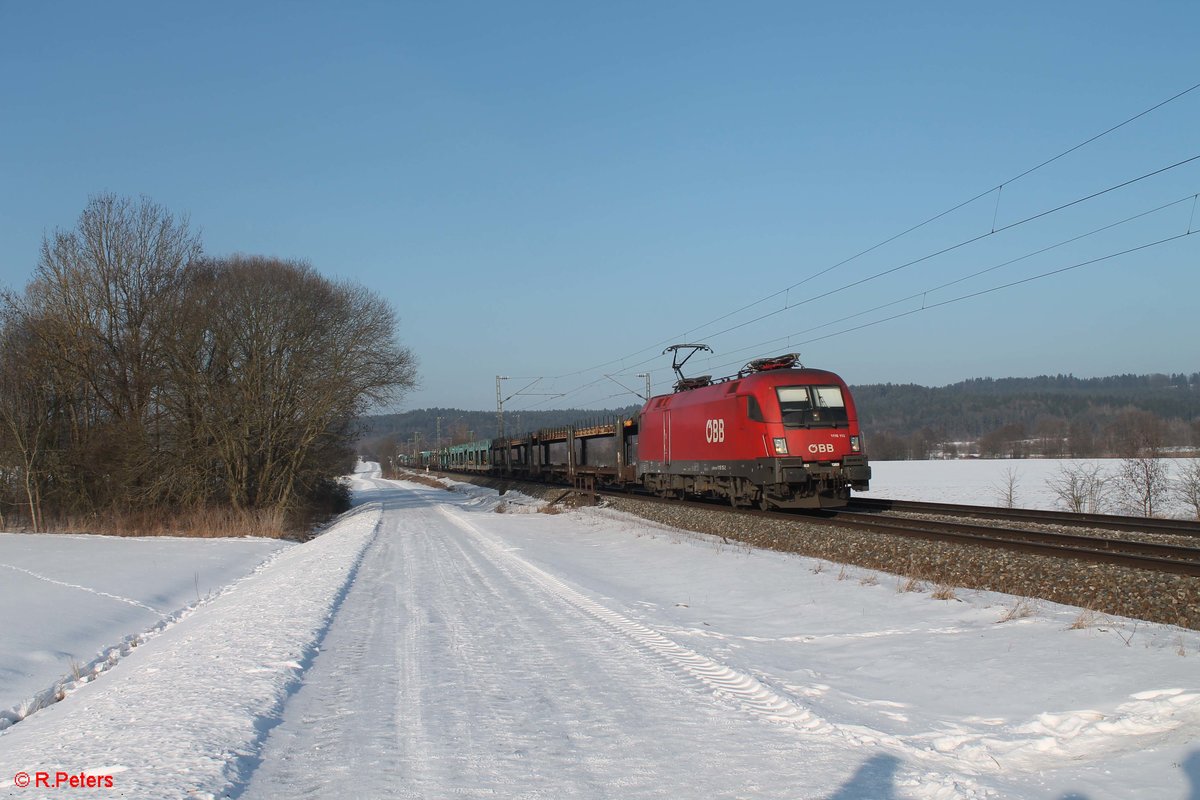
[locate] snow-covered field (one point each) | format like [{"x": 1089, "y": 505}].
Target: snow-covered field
[
  {"x": 427, "y": 646},
  {"x": 71, "y": 601},
  {"x": 985, "y": 482}
]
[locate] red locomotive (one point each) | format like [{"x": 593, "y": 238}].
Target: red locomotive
[{"x": 776, "y": 435}]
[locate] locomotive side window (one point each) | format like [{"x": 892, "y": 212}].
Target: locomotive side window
[
  {"x": 812, "y": 406},
  {"x": 753, "y": 411}
]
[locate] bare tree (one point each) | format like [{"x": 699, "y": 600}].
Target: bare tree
[
  {"x": 1187, "y": 485},
  {"x": 1080, "y": 487},
  {"x": 272, "y": 376},
  {"x": 135, "y": 376},
  {"x": 1136, "y": 434},
  {"x": 101, "y": 305},
  {"x": 1050, "y": 438},
  {"x": 1081, "y": 439},
  {"x": 1142, "y": 479},
  {"x": 27, "y": 414},
  {"x": 1006, "y": 487},
  {"x": 1143, "y": 484}
]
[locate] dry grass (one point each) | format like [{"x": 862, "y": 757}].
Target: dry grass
[
  {"x": 201, "y": 523},
  {"x": 870, "y": 580},
  {"x": 501, "y": 508},
  {"x": 1022, "y": 608},
  {"x": 843, "y": 575},
  {"x": 550, "y": 509},
  {"x": 910, "y": 585},
  {"x": 944, "y": 591},
  {"x": 1088, "y": 618}
]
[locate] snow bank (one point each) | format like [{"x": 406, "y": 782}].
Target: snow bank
[{"x": 185, "y": 713}]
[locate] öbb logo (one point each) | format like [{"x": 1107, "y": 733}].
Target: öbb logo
[
  {"x": 714, "y": 431},
  {"x": 820, "y": 448}
]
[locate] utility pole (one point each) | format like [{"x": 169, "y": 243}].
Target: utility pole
[
  {"x": 439, "y": 434},
  {"x": 500, "y": 406},
  {"x": 500, "y": 421},
  {"x": 500, "y": 399},
  {"x": 646, "y": 375}
]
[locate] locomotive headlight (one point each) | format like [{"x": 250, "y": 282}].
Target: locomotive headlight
[
  {"x": 781, "y": 446},
  {"x": 855, "y": 444}
]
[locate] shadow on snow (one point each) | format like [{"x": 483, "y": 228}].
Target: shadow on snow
[{"x": 875, "y": 780}]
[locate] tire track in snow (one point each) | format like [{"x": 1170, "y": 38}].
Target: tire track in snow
[
  {"x": 724, "y": 681},
  {"x": 746, "y": 691},
  {"x": 1048, "y": 741}
]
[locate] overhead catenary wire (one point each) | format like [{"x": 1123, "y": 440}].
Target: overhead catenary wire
[
  {"x": 912, "y": 262},
  {"x": 958, "y": 245},
  {"x": 964, "y": 297},
  {"x": 893, "y": 238},
  {"x": 623, "y": 361},
  {"x": 781, "y": 339}
]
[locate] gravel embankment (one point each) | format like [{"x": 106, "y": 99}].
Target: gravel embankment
[{"x": 1105, "y": 588}]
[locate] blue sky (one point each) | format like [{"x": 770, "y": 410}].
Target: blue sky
[{"x": 561, "y": 189}]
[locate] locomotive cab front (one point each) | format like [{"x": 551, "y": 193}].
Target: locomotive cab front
[{"x": 811, "y": 437}]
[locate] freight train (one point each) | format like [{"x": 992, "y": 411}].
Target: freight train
[{"x": 776, "y": 435}]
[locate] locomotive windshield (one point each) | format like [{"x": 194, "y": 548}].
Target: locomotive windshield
[{"x": 812, "y": 406}]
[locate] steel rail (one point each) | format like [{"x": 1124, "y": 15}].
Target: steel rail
[
  {"x": 1114, "y": 522},
  {"x": 1139, "y": 555},
  {"x": 1121, "y": 552}
]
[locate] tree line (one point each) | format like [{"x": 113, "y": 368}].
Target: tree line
[
  {"x": 140, "y": 378},
  {"x": 1049, "y": 416}
]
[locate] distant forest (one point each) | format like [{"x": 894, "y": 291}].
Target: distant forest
[{"x": 1051, "y": 415}]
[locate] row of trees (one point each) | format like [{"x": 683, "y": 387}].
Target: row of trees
[
  {"x": 1050, "y": 415},
  {"x": 1120, "y": 436},
  {"x": 137, "y": 374},
  {"x": 1138, "y": 485}
]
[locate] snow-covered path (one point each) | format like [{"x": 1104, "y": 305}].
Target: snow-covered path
[
  {"x": 453, "y": 669},
  {"x": 524, "y": 655}
]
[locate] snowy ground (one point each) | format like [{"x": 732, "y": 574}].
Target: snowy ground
[
  {"x": 71, "y": 601},
  {"x": 426, "y": 646}
]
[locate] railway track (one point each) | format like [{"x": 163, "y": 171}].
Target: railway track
[
  {"x": 1153, "y": 556},
  {"x": 1174, "y": 527},
  {"x": 865, "y": 515},
  {"x": 1179, "y": 559}
]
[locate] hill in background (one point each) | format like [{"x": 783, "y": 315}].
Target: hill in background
[{"x": 1050, "y": 415}]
